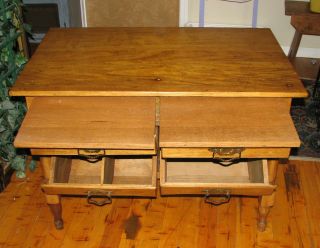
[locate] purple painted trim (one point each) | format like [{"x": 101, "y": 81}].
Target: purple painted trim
[
  {"x": 255, "y": 13},
  {"x": 201, "y": 13}
]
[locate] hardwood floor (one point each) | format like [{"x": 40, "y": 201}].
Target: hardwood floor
[{"x": 294, "y": 221}]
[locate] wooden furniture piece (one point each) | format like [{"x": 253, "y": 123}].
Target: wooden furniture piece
[
  {"x": 305, "y": 23},
  {"x": 109, "y": 107}
]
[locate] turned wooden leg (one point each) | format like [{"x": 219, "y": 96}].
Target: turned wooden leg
[
  {"x": 53, "y": 201},
  {"x": 265, "y": 204},
  {"x": 54, "y": 204},
  {"x": 267, "y": 201}
]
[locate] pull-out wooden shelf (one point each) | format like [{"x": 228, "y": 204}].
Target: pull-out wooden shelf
[
  {"x": 113, "y": 125},
  {"x": 120, "y": 176},
  {"x": 194, "y": 177},
  {"x": 196, "y": 122}
]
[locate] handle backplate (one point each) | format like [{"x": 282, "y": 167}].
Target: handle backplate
[
  {"x": 225, "y": 155},
  {"x": 217, "y": 197},
  {"x": 99, "y": 197},
  {"x": 91, "y": 155}
]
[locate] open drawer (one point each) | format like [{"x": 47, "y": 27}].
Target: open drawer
[
  {"x": 89, "y": 126},
  {"x": 112, "y": 176},
  {"x": 194, "y": 177}
]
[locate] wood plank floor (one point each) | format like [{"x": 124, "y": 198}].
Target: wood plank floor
[{"x": 181, "y": 222}]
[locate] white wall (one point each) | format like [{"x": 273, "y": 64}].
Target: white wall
[{"x": 271, "y": 15}]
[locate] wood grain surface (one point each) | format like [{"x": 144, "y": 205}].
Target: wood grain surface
[
  {"x": 89, "y": 122},
  {"x": 306, "y": 24},
  {"x": 307, "y": 68},
  {"x": 293, "y": 7},
  {"x": 165, "y": 221},
  {"x": 226, "y": 122},
  {"x": 159, "y": 62}
]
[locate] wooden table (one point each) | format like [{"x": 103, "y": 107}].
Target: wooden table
[
  {"x": 111, "y": 107},
  {"x": 305, "y": 22}
]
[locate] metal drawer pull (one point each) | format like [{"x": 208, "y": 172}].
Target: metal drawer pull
[
  {"x": 91, "y": 155},
  {"x": 226, "y": 152},
  {"x": 223, "y": 195},
  {"x": 92, "y": 195}
]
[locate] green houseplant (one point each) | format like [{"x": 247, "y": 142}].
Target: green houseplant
[{"x": 12, "y": 60}]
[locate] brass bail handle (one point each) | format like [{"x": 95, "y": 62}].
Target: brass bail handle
[
  {"x": 91, "y": 155},
  {"x": 93, "y": 195},
  {"x": 226, "y": 152},
  {"x": 223, "y": 196}
]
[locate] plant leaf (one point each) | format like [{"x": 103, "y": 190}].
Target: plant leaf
[
  {"x": 11, "y": 63},
  {"x": 18, "y": 163},
  {"x": 20, "y": 174},
  {"x": 7, "y": 105}
]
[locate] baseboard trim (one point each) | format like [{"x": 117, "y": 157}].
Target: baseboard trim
[
  {"x": 302, "y": 158},
  {"x": 304, "y": 52}
]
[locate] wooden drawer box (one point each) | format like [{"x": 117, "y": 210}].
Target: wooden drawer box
[
  {"x": 78, "y": 139},
  {"x": 118, "y": 176},
  {"x": 93, "y": 129},
  {"x": 194, "y": 177}
]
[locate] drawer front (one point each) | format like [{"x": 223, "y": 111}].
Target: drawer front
[
  {"x": 215, "y": 189},
  {"x": 208, "y": 153},
  {"x": 204, "y": 177},
  {"x": 118, "y": 176},
  {"x": 98, "y": 152},
  {"x": 115, "y": 190}
]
